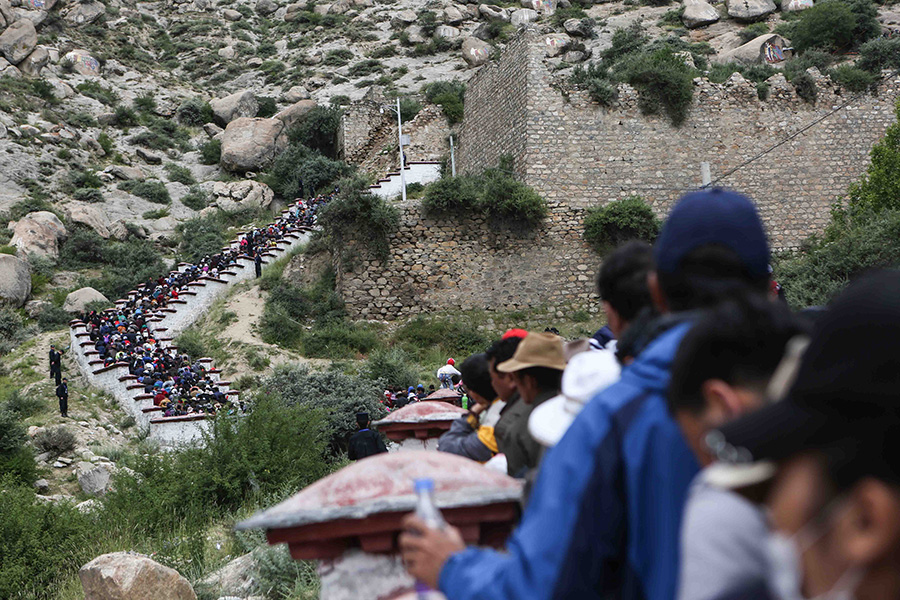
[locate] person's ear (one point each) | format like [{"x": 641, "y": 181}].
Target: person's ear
[
  {"x": 871, "y": 530},
  {"x": 721, "y": 400},
  {"x": 613, "y": 320},
  {"x": 656, "y": 293}
]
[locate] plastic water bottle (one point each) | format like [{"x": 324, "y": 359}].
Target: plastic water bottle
[{"x": 427, "y": 510}]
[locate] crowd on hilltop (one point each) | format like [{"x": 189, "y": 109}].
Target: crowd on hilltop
[
  {"x": 180, "y": 385},
  {"x": 709, "y": 443}
]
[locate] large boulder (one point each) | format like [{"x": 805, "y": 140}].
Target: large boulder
[
  {"x": 556, "y": 43},
  {"x": 18, "y": 41},
  {"x": 93, "y": 479},
  {"x": 251, "y": 144},
  {"x": 446, "y": 32},
  {"x": 544, "y": 7},
  {"x": 295, "y": 94},
  {"x": 79, "y": 299},
  {"x": 492, "y": 12},
  {"x": 235, "y": 579},
  {"x": 91, "y": 215},
  {"x": 754, "y": 51},
  {"x": 698, "y": 13},
  {"x": 7, "y": 14},
  {"x": 131, "y": 576},
  {"x": 476, "y": 52},
  {"x": 35, "y": 62},
  {"x": 750, "y": 10},
  {"x": 83, "y": 63},
  {"x": 235, "y": 106},
  {"x": 83, "y": 13},
  {"x": 39, "y": 233},
  {"x": 294, "y": 113},
  {"x": 237, "y": 196},
  {"x": 523, "y": 16},
  {"x": 15, "y": 280}
]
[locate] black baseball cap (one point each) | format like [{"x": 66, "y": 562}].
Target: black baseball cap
[
  {"x": 708, "y": 217},
  {"x": 846, "y": 393}
]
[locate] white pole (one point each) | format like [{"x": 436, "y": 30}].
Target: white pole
[
  {"x": 400, "y": 139},
  {"x": 705, "y": 176},
  {"x": 452, "y": 159}
]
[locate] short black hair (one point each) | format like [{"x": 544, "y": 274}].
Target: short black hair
[
  {"x": 740, "y": 342},
  {"x": 502, "y": 350},
  {"x": 547, "y": 378},
  {"x": 622, "y": 280},
  {"x": 476, "y": 376},
  {"x": 708, "y": 275}
]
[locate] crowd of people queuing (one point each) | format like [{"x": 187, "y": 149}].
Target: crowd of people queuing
[
  {"x": 179, "y": 384},
  {"x": 708, "y": 443}
]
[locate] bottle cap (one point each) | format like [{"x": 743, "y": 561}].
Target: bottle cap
[{"x": 424, "y": 485}]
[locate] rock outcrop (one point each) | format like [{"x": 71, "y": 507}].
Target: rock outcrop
[
  {"x": 235, "y": 106},
  {"x": 294, "y": 113},
  {"x": 240, "y": 195},
  {"x": 15, "y": 280},
  {"x": 251, "y": 144},
  {"x": 750, "y": 10},
  {"x": 131, "y": 576},
  {"x": 39, "y": 233},
  {"x": 18, "y": 41},
  {"x": 476, "y": 52},
  {"x": 94, "y": 479},
  {"x": 698, "y": 13},
  {"x": 77, "y": 301}
]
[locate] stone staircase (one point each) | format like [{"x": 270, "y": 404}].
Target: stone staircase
[
  {"x": 423, "y": 172},
  {"x": 166, "y": 324}
]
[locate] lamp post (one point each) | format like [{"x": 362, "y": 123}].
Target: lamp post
[{"x": 400, "y": 141}]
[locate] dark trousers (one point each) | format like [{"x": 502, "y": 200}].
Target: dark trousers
[
  {"x": 56, "y": 373},
  {"x": 258, "y": 270},
  {"x": 64, "y": 406}
]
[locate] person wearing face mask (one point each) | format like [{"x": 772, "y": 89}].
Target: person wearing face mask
[{"x": 834, "y": 503}]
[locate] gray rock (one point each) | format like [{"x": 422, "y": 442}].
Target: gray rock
[
  {"x": 234, "y": 578},
  {"x": 237, "y": 196},
  {"x": 42, "y": 486},
  {"x": 91, "y": 215},
  {"x": 239, "y": 104},
  {"x": 125, "y": 173},
  {"x": 295, "y": 94},
  {"x": 750, "y": 10},
  {"x": 35, "y": 62},
  {"x": 93, "y": 478},
  {"x": 574, "y": 56},
  {"x": 39, "y": 233},
  {"x": 544, "y": 7},
  {"x": 523, "y": 16},
  {"x": 88, "y": 505},
  {"x": 85, "y": 13},
  {"x": 492, "y": 12},
  {"x": 266, "y": 7},
  {"x": 753, "y": 52},
  {"x": 83, "y": 63},
  {"x": 294, "y": 113},
  {"x": 18, "y": 41},
  {"x": 339, "y": 7},
  {"x": 452, "y": 16},
  {"x": 576, "y": 27},
  {"x": 212, "y": 130},
  {"x": 43, "y": 457},
  {"x": 556, "y": 43},
  {"x": 446, "y": 32},
  {"x": 476, "y": 52},
  {"x": 77, "y": 301},
  {"x": 698, "y": 13},
  {"x": 7, "y": 14},
  {"x": 294, "y": 11},
  {"x": 151, "y": 158},
  {"x": 227, "y": 52},
  {"x": 403, "y": 18},
  {"x": 15, "y": 280},
  {"x": 232, "y": 15},
  {"x": 250, "y": 144},
  {"x": 131, "y": 576},
  {"x": 34, "y": 308}
]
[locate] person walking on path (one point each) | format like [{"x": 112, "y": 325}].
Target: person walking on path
[
  {"x": 62, "y": 392},
  {"x": 446, "y": 374},
  {"x": 55, "y": 364},
  {"x": 257, "y": 260},
  {"x": 364, "y": 442}
]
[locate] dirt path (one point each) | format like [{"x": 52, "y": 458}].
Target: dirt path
[{"x": 248, "y": 306}]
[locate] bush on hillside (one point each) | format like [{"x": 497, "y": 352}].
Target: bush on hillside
[
  {"x": 57, "y": 440},
  {"x": 21, "y": 404},
  {"x": 608, "y": 226},
  {"x": 879, "y": 188},
  {"x": 455, "y": 338},
  {"x": 853, "y": 78},
  {"x": 196, "y": 198},
  {"x": 318, "y": 130},
  {"x": 199, "y": 237},
  {"x": 126, "y": 265},
  {"x": 664, "y": 82},
  {"x": 392, "y": 366},
  {"x": 179, "y": 174},
  {"x": 450, "y": 96},
  {"x": 356, "y": 214},
  {"x": 210, "y": 152},
  {"x": 338, "y": 395},
  {"x": 409, "y": 108},
  {"x": 299, "y": 171},
  {"x": 878, "y": 54},
  {"x": 151, "y": 190},
  {"x": 12, "y": 329},
  {"x": 194, "y": 112},
  {"x": 595, "y": 79},
  {"x": 835, "y": 25}
]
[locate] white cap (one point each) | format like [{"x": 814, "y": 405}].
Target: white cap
[{"x": 586, "y": 374}]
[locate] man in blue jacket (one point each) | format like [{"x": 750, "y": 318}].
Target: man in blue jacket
[{"x": 604, "y": 517}]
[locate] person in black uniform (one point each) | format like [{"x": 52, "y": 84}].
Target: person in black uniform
[
  {"x": 365, "y": 442},
  {"x": 55, "y": 364},
  {"x": 62, "y": 392},
  {"x": 257, "y": 260}
]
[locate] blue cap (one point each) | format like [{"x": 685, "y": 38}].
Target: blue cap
[
  {"x": 422, "y": 485},
  {"x": 714, "y": 216},
  {"x": 411, "y": 389}
]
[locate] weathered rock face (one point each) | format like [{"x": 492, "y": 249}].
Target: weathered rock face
[
  {"x": 15, "y": 280},
  {"x": 754, "y": 51},
  {"x": 446, "y": 32},
  {"x": 306, "y": 269},
  {"x": 235, "y": 578},
  {"x": 251, "y": 144},
  {"x": 750, "y": 10},
  {"x": 296, "y": 93},
  {"x": 83, "y": 63},
  {"x": 476, "y": 52},
  {"x": 240, "y": 195},
  {"x": 77, "y": 301},
  {"x": 294, "y": 113},
  {"x": 556, "y": 43},
  {"x": 128, "y": 576},
  {"x": 93, "y": 479},
  {"x": 91, "y": 215},
  {"x": 493, "y": 12},
  {"x": 39, "y": 233},
  {"x": 85, "y": 13},
  {"x": 35, "y": 62},
  {"x": 698, "y": 13},
  {"x": 18, "y": 41},
  {"x": 239, "y": 104},
  {"x": 544, "y": 7},
  {"x": 523, "y": 17}
]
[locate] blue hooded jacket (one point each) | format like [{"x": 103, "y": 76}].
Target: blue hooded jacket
[{"x": 604, "y": 517}]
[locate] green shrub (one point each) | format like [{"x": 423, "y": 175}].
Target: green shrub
[
  {"x": 12, "y": 329},
  {"x": 853, "y": 78},
  {"x": 12, "y": 432},
  {"x": 179, "y": 174},
  {"x": 337, "y": 57},
  {"x": 663, "y": 81},
  {"x": 454, "y": 337},
  {"x": 879, "y": 188},
  {"x": 22, "y": 405},
  {"x": 450, "y": 96},
  {"x": 199, "y": 237},
  {"x": 752, "y": 31},
  {"x": 196, "y": 344},
  {"x": 106, "y": 143},
  {"x": 125, "y": 117},
  {"x": 196, "y": 199},
  {"x": 365, "y": 67},
  {"x": 878, "y": 54},
  {"x": 151, "y": 190},
  {"x": 267, "y": 107},
  {"x": 595, "y": 80},
  {"x": 606, "y": 227},
  {"x": 392, "y": 366},
  {"x": 56, "y": 440},
  {"x": 52, "y": 318},
  {"x": 828, "y": 26},
  {"x": 336, "y": 340},
  {"x": 409, "y": 108},
  {"x": 95, "y": 90},
  {"x": 125, "y": 264},
  {"x": 161, "y": 134},
  {"x": 155, "y": 214},
  {"x": 210, "y": 152},
  {"x": 80, "y": 119},
  {"x": 145, "y": 103},
  {"x": 625, "y": 41},
  {"x": 339, "y": 100},
  {"x": 84, "y": 179},
  {"x": 356, "y": 214},
  {"x": 318, "y": 130},
  {"x": 88, "y": 195},
  {"x": 300, "y": 171},
  {"x": 720, "y": 72},
  {"x": 806, "y": 87},
  {"x": 338, "y": 395},
  {"x": 194, "y": 112}
]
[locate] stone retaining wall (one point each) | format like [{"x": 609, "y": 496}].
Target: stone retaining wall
[{"x": 166, "y": 324}]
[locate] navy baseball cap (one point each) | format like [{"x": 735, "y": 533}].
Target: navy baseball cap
[{"x": 713, "y": 217}]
